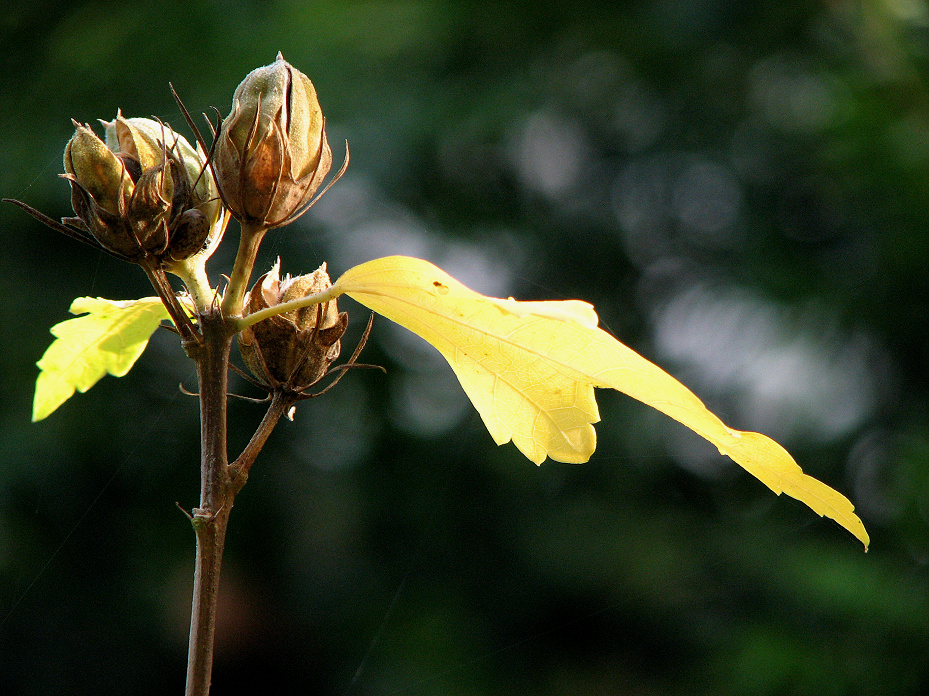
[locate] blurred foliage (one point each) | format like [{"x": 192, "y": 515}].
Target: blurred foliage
[{"x": 741, "y": 190}]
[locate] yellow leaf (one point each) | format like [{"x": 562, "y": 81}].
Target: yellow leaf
[
  {"x": 108, "y": 338},
  {"x": 530, "y": 369}
]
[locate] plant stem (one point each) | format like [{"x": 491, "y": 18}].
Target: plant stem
[
  {"x": 240, "y": 467},
  {"x": 194, "y": 277},
  {"x": 250, "y": 240},
  {"x": 211, "y": 535},
  {"x": 160, "y": 282},
  {"x": 216, "y": 496}
]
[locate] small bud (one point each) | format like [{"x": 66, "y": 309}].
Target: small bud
[
  {"x": 272, "y": 154},
  {"x": 291, "y": 349},
  {"x": 143, "y": 193}
]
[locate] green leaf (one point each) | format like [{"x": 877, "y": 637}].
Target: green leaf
[
  {"x": 108, "y": 338},
  {"x": 530, "y": 369}
]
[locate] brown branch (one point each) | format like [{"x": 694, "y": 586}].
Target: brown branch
[
  {"x": 280, "y": 403},
  {"x": 211, "y": 519}
]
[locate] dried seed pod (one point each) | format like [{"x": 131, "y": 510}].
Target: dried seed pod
[
  {"x": 295, "y": 349},
  {"x": 272, "y": 154}
]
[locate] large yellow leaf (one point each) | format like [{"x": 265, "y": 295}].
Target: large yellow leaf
[
  {"x": 108, "y": 338},
  {"x": 530, "y": 369}
]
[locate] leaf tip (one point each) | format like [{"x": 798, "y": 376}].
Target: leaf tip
[{"x": 41, "y": 411}]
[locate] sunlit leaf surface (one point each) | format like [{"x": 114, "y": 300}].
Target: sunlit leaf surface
[
  {"x": 108, "y": 338},
  {"x": 530, "y": 369}
]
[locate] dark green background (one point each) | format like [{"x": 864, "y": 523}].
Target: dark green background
[{"x": 739, "y": 188}]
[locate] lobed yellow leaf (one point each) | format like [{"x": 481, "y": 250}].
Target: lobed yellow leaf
[
  {"x": 108, "y": 338},
  {"x": 497, "y": 354},
  {"x": 530, "y": 369}
]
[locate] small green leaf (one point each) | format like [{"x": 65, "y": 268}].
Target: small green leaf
[{"x": 108, "y": 338}]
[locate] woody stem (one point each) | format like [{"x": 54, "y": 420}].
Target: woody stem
[
  {"x": 217, "y": 493},
  {"x": 280, "y": 402}
]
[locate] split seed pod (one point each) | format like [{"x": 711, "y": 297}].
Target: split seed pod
[
  {"x": 143, "y": 193},
  {"x": 295, "y": 349}
]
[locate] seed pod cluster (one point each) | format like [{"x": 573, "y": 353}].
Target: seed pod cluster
[{"x": 143, "y": 193}]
